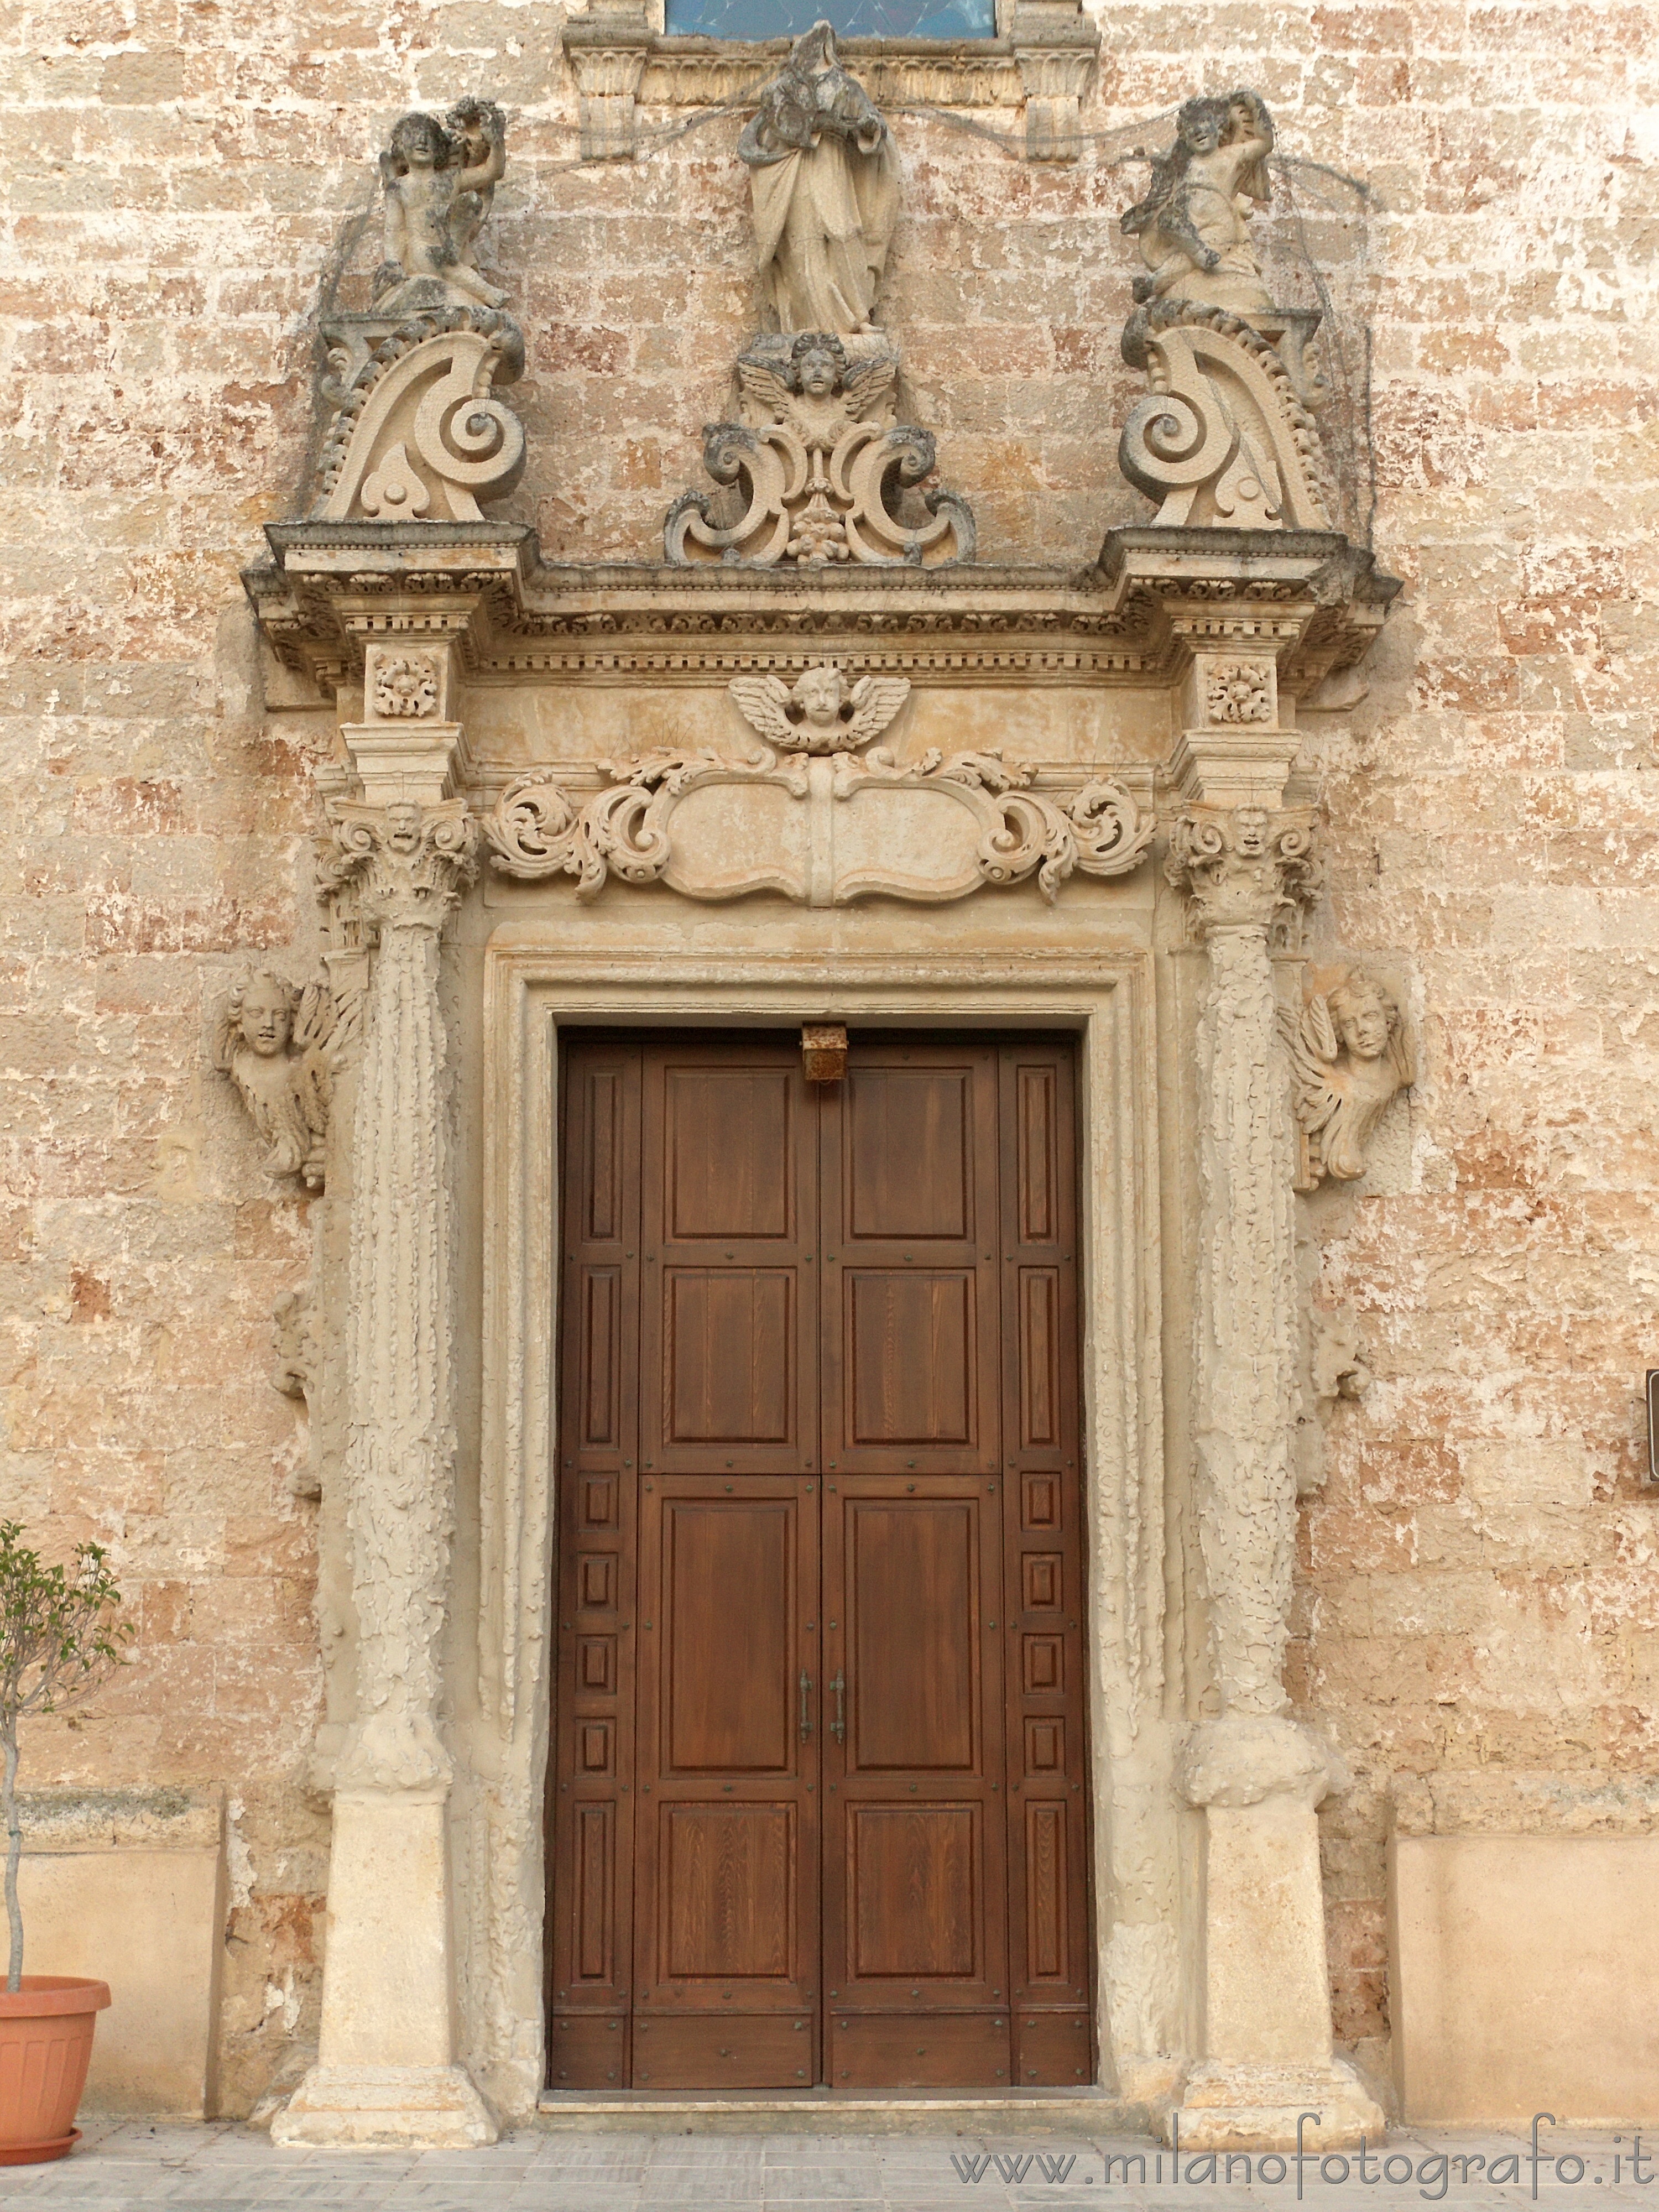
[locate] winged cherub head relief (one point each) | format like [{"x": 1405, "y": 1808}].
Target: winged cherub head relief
[{"x": 820, "y": 713}]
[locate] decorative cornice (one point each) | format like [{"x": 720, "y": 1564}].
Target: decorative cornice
[
  {"x": 1043, "y": 64},
  {"x": 1310, "y": 600}
]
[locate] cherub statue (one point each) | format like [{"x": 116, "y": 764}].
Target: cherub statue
[
  {"x": 1194, "y": 223},
  {"x": 1350, "y": 1054},
  {"x": 818, "y": 393},
  {"x": 439, "y": 180},
  {"x": 824, "y": 178},
  {"x": 271, "y": 1040},
  {"x": 820, "y": 713}
]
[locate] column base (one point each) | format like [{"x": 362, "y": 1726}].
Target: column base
[
  {"x": 385, "y": 2107},
  {"x": 1244, "y": 2107}
]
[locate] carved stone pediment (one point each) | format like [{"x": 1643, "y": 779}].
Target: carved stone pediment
[{"x": 824, "y": 827}]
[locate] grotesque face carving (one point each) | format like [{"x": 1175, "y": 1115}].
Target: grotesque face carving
[
  {"x": 266, "y": 1018},
  {"x": 1251, "y": 828},
  {"x": 818, "y": 696}
]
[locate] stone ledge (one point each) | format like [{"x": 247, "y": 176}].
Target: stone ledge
[
  {"x": 1524, "y": 1804},
  {"x": 1042, "y": 63},
  {"x": 57, "y": 1820},
  {"x": 1096, "y": 2111}
]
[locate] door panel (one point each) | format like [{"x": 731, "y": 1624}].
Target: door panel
[
  {"x": 726, "y": 1873},
  {"x": 908, "y": 1180},
  {"x": 1048, "y": 1926},
  {"x": 817, "y": 1804},
  {"x": 912, "y": 1632},
  {"x": 728, "y": 1360},
  {"x": 914, "y": 1911},
  {"x": 591, "y": 1863}
]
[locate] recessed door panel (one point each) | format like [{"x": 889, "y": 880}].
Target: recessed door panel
[
  {"x": 911, "y": 1351},
  {"x": 913, "y": 1632},
  {"x": 728, "y": 1356},
  {"x": 914, "y": 1875},
  {"x": 909, "y": 1149},
  {"x": 725, "y": 1874},
  {"x": 724, "y": 1643},
  {"x": 914, "y": 1913}
]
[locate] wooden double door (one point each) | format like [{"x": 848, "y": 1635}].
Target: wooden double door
[{"x": 818, "y": 1790}]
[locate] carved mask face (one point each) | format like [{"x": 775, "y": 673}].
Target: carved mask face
[
  {"x": 1250, "y": 825},
  {"x": 818, "y": 375},
  {"x": 818, "y": 696},
  {"x": 266, "y": 1023}
]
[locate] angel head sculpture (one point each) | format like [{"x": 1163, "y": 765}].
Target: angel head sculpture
[
  {"x": 271, "y": 1039},
  {"x": 440, "y": 179},
  {"x": 820, "y": 713},
  {"x": 1350, "y": 1054},
  {"x": 1192, "y": 224}
]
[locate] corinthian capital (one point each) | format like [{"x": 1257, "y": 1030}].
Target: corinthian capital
[
  {"x": 405, "y": 864},
  {"x": 1244, "y": 868}
]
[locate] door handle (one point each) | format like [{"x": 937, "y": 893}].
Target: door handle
[
  {"x": 805, "y": 1710},
  {"x": 838, "y": 1726}
]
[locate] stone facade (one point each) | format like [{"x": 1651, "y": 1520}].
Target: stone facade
[{"x": 1470, "y": 1570}]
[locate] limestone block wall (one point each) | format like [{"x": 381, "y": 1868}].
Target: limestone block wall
[{"x": 185, "y": 185}]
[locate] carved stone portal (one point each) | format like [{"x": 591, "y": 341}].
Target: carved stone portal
[
  {"x": 822, "y": 470},
  {"x": 828, "y": 828}
]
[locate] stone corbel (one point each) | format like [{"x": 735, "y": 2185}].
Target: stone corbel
[
  {"x": 1055, "y": 50},
  {"x": 607, "y": 55}
]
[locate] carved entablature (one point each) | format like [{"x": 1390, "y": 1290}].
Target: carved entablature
[{"x": 804, "y": 816}]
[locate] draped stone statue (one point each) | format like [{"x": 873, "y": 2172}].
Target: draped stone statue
[
  {"x": 1194, "y": 224},
  {"x": 823, "y": 176}
]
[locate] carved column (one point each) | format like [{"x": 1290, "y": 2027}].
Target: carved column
[
  {"x": 387, "y": 2071},
  {"x": 1246, "y": 863}
]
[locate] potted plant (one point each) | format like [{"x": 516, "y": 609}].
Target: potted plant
[{"x": 57, "y": 1640}]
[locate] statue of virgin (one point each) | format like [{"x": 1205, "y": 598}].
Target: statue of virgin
[{"x": 824, "y": 179}]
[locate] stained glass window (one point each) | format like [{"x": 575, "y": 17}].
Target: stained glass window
[{"x": 851, "y": 19}]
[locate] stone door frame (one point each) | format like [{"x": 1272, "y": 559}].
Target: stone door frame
[{"x": 531, "y": 985}]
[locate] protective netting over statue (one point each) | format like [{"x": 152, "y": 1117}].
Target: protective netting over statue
[{"x": 850, "y": 19}]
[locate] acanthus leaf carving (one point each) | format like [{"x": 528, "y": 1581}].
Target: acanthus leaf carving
[
  {"x": 806, "y": 817},
  {"x": 821, "y": 468},
  {"x": 1350, "y": 1054},
  {"x": 278, "y": 1042},
  {"x": 403, "y": 864},
  {"x": 1246, "y": 867}
]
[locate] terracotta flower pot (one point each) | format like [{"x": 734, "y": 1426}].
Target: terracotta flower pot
[{"x": 46, "y": 2042}]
